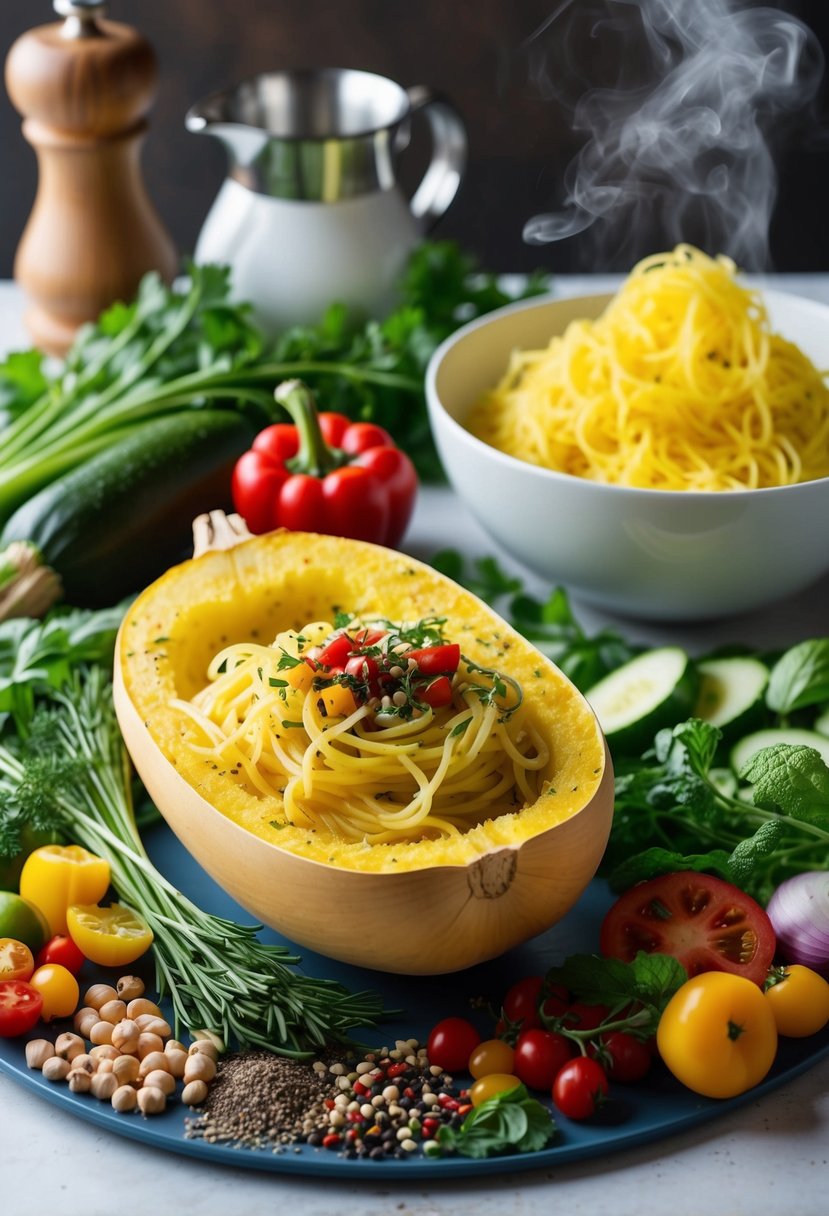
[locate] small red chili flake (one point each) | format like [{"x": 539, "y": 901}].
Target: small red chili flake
[
  {"x": 329, "y": 1103},
  {"x": 332, "y": 1140},
  {"x": 359, "y": 1088},
  {"x": 354, "y": 1116},
  {"x": 447, "y": 1102},
  {"x": 352, "y": 1134},
  {"x": 397, "y": 1070},
  {"x": 408, "y": 1092}
]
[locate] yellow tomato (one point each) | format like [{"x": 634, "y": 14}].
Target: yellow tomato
[
  {"x": 59, "y": 990},
  {"x": 718, "y": 1035},
  {"x": 493, "y": 1083},
  {"x": 112, "y": 936},
  {"x": 16, "y": 960},
  {"x": 493, "y": 1055},
  {"x": 55, "y": 876},
  {"x": 799, "y": 1002}
]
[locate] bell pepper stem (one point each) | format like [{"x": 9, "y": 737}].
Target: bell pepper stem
[{"x": 314, "y": 457}]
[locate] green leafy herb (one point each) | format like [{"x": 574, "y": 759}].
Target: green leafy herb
[
  {"x": 800, "y": 677},
  {"x": 635, "y": 993},
  {"x": 508, "y": 1122}
]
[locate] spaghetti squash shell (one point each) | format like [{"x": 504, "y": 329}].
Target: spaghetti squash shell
[{"x": 425, "y": 907}]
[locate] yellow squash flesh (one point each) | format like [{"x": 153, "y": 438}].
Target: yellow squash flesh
[{"x": 417, "y": 908}]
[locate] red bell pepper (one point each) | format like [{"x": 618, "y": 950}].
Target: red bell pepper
[{"x": 326, "y": 474}]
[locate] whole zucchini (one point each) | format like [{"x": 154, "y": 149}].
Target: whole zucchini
[{"x": 119, "y": 520}]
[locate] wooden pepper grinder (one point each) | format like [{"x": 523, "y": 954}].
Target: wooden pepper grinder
[{"x": 84, "y": 86}]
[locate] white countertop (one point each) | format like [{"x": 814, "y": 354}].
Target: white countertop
[{"x": 771, "y": 1158}]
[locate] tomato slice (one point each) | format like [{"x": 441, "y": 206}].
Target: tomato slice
[
  {"x": 16, "y": 961},
  {"x": 704, "y": 922},
  {"x": 20, "y": 1006},
  {"x": 436, "y": 693},
  {"x": 436, "y": 660},
  {"x": 336, "y": 652}
]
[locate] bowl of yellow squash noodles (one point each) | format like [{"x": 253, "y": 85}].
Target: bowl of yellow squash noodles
[{"x": 663, "y": 452}]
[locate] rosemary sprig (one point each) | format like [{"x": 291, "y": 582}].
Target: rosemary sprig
[{"x": 217, "y": 974}]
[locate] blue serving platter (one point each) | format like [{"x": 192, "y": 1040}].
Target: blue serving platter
[{"x": 649, "y": 1111}]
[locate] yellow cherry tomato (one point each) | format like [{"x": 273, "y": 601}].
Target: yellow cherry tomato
[
  {"x": 55, "y": 876},
  {"x": 16, "y": 959},
  {"x": 59, "y": 990},
  {"x": 493, "y": 1083},
  {"x": 718, "y": 1035},
  {"x": 112, "y": 936},
  {"x": 493, "y": 1055},
  {"x": 799, "y": 1001}
]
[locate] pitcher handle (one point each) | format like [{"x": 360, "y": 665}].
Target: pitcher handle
[{"x": 449, "y": 147}]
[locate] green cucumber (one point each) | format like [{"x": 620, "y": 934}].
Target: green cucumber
[
  {"x": 742, "y": 752},
  {"x": 120, "y": 519},
  {"x": 654, "y": 690},
  {"x": 731, "y": 692}
]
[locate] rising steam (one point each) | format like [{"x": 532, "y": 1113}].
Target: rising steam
[{"x": 678, "y": 142}]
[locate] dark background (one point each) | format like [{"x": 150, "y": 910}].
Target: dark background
[{"x": 519, "y": 142}]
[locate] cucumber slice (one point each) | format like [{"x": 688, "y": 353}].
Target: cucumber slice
[
  {"x": 656, "y": 689},
  {"x": 731, "y": 693},
  {"x": 742, "y": 752}
]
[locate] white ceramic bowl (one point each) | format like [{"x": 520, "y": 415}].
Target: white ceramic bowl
[{"x": 657, "y": 554}]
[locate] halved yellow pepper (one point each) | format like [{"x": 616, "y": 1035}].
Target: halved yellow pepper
[{"x": 55, "y": 876}]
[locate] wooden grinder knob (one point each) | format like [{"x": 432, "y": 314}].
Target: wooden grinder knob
[{"x": 84, "y": 87}]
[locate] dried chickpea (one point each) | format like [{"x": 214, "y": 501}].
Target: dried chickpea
[
  {"x": 154, "y": 1060},
  {"x": 55, "y": 1069},
  {"x": 199, "y": 1067},
  {"x": 148, "y": 1043},
  {"x": 125, "y": 1069},
  {"x": 103, "y": 1066},
  {"x": 125, "y": 1036},
  {"x": 151, "y": 1101},
  {"x": 38, "y": 1051},
  {"x": 204, "y": 1047},
  {"x": 176, "y": 1062},
  {"x": 158, "y": 1079},
  {"x": 80, "y": 1082},
  {"x": 194, "y": 1093},
  {"x": 85, "y": 1019},
  {"x": 69, "y": 1045},
  {"x": 98, "y": 995},
  {"x": 174, "y": 1045},
  {"x": 150, "y": 1023},
  {"x": 104, "y": 1051},
  {"x": 124, "y": 1099},
  {"x": 129, "y": 987},
  {"x": 101, "y": 1033},
  {"x": 112, "y": 1011},
  {"x": 85, "y": 1063},
  {"x": 103, "y": 1086},
  {"x": 141, "y": 1005}
]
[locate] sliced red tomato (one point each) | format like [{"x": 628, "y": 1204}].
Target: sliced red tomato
[
  {"x": 20, "y": 1006},
  {"x": 704, "y": 922},
  {"x": 16, "y": 961},
  {"x": 336, "y": 651},
  {"x": 436, "y": 693},
  {"x": 436, "y": 660}
]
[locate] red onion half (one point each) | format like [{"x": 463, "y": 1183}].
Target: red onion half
[{"x": 799, "y": 912}]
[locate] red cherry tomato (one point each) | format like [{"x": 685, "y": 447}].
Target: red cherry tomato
[
  {"x": 704, "y": 922},
  {"x": 451, "y": 1043},
  {"x": 580, "y": 1088},
  {"x": 520, "y": 1005},
  {"x": 556, "y": 1001},
  {"x": 539, "y": 1057},
  {"x": 623, "y": 1057},
  {"x": 436, "y": 693},
  {"x": 62, "y": 950},
  {"x": 20, "y": 1006},
  {"x": 335, "y": 652}
]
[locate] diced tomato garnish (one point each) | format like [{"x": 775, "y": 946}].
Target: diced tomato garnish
[
  {"x": 437, "y": 693},
  {"x": 436, "y": 660}
]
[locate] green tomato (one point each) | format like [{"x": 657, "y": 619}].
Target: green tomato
[
  {"x": 10, "y": 867},
  {"x": 22, "y": 921}
]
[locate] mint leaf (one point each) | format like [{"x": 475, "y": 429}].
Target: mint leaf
[
  {"x": 650, "y": 980},
  {"x": 800, "y": 677},
  {"x": 749, "y": 853},
  {"x": 656, "y": 860},
  {"x": 794, "y": 778},
  {"x": 700, "y": 741}
]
